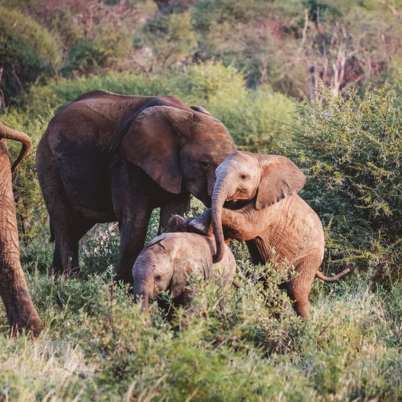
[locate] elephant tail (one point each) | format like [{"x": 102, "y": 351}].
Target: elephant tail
[{"x": 334, "y": 278}]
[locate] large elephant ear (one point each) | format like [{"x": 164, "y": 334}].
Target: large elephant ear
[
  {"x": 280, "y": 177},
  {"x": 152, "y": 143}
]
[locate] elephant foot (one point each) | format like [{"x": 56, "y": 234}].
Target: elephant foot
[
  {"x": 23, "y": 316},
  {"x": 31, "y": 325},
  {"x": 67, "y": 272}
]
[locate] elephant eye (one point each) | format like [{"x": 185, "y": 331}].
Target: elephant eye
[
  {"x": 243, "y": 176},
  {"x": 204, "y": 164},
  {"x": 158, "y": 278}
]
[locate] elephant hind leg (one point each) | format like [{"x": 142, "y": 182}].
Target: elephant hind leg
[
  {"x": 299, "y": 288},
  {"x": 68, "y": 230},
  {"x": 66, "y": 226}
]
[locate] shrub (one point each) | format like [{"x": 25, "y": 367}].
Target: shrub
[
  {"x": 110, "y": 44},
  {"x": 170, "y": 37},
  {"x": 207, "y": 14},
  {"x": 27, "y": 51},
  {"x": 352, "y": 149},
  {"x": 258, "y": 120}
]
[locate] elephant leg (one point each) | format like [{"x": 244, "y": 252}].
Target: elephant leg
[
  {"x": 255, "y": 254},
  {"x": 68, "y": 230},
  {"x": 133, "y": 209},
  {"x": 299, "y": 288},
  {"x": 179, "y": 205},
  {"x": 20, "y": 310},
  {"x": 133, "y": 230}
]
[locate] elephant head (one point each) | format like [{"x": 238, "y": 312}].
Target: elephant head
[
  {"x": 246, "y": 176},
  {"x": 178, "y": 148},
  {"x": 154, "y": 272}
]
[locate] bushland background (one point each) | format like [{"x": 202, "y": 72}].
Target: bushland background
[{"x": 319, "y": 81}]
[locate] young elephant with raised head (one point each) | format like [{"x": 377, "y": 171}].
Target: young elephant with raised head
[
  {"x": 171, "y": 258},
  {"x": 277, "y": 224},
  {"x": 21, "y": 313}
]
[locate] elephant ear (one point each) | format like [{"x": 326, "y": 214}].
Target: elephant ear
[
  {"x": 200, "y": 109},
  {"x": 179, "y": 280},
  {"x": 152, "y": 143},
  {"x": 280, "y": 177}
]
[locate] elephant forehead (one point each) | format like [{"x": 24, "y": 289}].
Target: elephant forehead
[{"x": 239, "y": 162}]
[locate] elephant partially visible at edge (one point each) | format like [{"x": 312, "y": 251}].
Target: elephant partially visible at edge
[
  {"x": 277, "y": 224},
  {"x": 14, "y": 292},
  {"x": 106, "y": 157}
]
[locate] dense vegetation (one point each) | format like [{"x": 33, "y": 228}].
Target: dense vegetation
[{"x": 313, "y": 80}]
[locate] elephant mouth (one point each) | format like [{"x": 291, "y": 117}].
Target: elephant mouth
[{"x": 235, "y": 204}]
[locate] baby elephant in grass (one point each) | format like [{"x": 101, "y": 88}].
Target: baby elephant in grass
[
  {"x": 278, "y": 225},
  {"x": 169, "y": 260}
]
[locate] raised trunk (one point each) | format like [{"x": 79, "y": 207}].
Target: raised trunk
[
  {"x": 20, "y": 311},
  {"x": 218, "y": 199},
  {"x": 11, "y": 134}
]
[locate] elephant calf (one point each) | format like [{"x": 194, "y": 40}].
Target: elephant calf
[
  {"x": 277, "y": 224},
  {"x": 171, "y": 258}
]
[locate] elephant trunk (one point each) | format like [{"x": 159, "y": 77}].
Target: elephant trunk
[
  {"x": 219, "y": 197},
  {"x": 145, "y": 302},
  {"x": 12, "y": 134},
  {"x": 143, "y": 283}
]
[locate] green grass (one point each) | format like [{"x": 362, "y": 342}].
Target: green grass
[{"x": 246, "y": 344}]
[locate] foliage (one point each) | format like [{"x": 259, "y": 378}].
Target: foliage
[
  {"x": 208, "y": 14},
  {"x": 27, "y": 51},
  {"x": 238, "y": 345},
  {"x": 111, "y": 43},
  {"x": 170, "y": 37},
  {"x": 249, "y": 63},
  {"x": 352, "y": 148}
]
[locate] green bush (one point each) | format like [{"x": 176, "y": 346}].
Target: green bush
[
  {"x": 170, "y": 37},
  {"x": 207, "y": 14},
  {"x": 27, "y": 51},
  {"x": 226, "y": 347},
  {"x": 110, "y": 44},
  {"x": 352, "y": 148}
]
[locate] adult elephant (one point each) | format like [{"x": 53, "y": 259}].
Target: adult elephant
[
  {"x": 20, "y": 311},
  {"x": 106, "y": 157}
]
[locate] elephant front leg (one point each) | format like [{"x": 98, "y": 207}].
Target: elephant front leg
[
  {"x": 179, "y": 205},
  {"x": 133, "y": 209},
  {"x": 244, "y": 224},
  {"x": 133, "y": 229},
  {"x": 237, "y": 224}
]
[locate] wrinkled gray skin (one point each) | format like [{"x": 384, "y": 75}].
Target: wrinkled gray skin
[
  {"x": 21, "y": 313},
  {"x": 277, "y": 224},
  {"x": 168, "y": 261}
]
